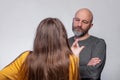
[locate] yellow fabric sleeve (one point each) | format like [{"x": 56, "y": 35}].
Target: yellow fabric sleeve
[
  {"x": 10, "y": 71},
  {"x": 73, "y": 73}
]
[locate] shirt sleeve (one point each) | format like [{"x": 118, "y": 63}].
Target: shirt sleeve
[
  {"x": 10, "y": 71},
  {"x": 99, "y": 50},
  {"x": 73, "y": 72}
]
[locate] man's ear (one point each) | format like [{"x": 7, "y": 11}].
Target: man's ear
[{"x": 91, "y": 25}]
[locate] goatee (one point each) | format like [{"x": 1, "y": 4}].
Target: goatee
[{"x": 78, "y": 34}]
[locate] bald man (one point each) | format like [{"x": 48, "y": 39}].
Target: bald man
[{"x": 93, "y": 56}]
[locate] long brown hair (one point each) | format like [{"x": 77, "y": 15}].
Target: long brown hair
[{"x": 49, "y": 59}]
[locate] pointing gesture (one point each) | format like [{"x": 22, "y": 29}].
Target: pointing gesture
[{"x": 76, "y": 49}]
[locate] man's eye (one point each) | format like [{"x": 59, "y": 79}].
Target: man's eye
[
  {"x": 76, "y": 19},
  {"x": 84, "y": 21}
]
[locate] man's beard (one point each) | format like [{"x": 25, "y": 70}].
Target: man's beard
[{"x": 78, "y": 32}]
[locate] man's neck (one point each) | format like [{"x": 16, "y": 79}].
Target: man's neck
[{"x": 83, "y": 37}]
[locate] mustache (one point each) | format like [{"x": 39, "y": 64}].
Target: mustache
[{"x": 77, "y": 28}]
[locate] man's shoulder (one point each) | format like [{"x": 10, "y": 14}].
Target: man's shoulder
[
  {"x": 97, "y": 39},
  {"x": 71, "y": 40},
  {"x": 72, "y": 37}
]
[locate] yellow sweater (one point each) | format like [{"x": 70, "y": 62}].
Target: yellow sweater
[{"x": 11, "y": 71}]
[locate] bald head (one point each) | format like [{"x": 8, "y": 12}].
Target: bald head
[{"x": 84, "y": 13}]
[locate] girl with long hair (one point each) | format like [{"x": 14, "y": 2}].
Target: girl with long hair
[{"x": 50, "y": 59}]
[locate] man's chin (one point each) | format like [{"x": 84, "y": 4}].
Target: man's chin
[{"x": 78, "y": 34}]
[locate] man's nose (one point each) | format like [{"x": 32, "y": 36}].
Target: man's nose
[{"x": 80, "y": 23}]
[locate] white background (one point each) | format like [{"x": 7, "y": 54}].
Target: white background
[{"x": 20, "y": 18}]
